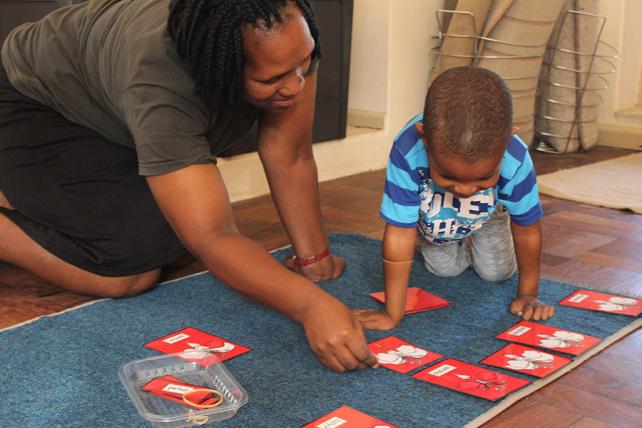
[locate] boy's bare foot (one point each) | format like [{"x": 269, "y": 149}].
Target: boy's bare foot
[{"x": 4, "y": 203}]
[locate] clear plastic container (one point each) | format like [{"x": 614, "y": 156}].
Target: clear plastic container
[{"x": 205, "y": 371}]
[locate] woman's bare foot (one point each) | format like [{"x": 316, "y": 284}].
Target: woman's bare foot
[{"x": 4, "y": 203}]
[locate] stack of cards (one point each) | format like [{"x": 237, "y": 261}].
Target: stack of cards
[
  {"x": 417, "y": 300},
  {"x": 586, "y": 299},
  {"x": 194, "y": 344},
  {"x": 347, "y": 417},
  {"x": 548, "y": 337},
  {"x": 172, "y": 388}
]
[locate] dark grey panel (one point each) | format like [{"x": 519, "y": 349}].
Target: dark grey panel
[{"x": 16, "y": 12}]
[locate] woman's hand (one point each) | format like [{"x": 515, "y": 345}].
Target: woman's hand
[
  {"x": 329, "y": 268},
  {"x": 375, "y": 320},
  {"x": 335, "y": 336},
  {"x": 530, "y": 308}
]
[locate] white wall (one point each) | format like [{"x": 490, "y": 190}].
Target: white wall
[
  {"x": 369, "y": 60},
  {"x": 622, "y": 30},
  {"x": 407, "y": 58}
]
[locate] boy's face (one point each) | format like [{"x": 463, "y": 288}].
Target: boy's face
[{"x": 462, "y": 178}]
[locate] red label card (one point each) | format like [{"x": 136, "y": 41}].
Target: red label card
[
  {"x": 470, "y": 379},
  {"x": 526, "y": 360},
  {"x": 347, "y": 417},
  {"x": 417, "y": 300},
  {"x": 172, "y": 388},
  {"x": 400, "y": 356},
  {"x": 548, "y": 337},
  {"x": 195, "y": 345},
  {"x": 603, "y": 302}
]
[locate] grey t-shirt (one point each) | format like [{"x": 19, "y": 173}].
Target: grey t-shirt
[{"x": 111, "y": 66}]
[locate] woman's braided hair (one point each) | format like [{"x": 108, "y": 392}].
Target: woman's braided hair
[{"x": 208, "y": 36}]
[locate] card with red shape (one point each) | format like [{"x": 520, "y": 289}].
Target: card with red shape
[
  {"x": 470, "y": 379},
  {"x": 400, "y": 356},
  {"x": 194, "y": 345},
  {"x": 347, "y": 417},
  {"x": 417, "y": 300},
  {"x": 603, "y": 302},
  {"x": 526, "y": 360},
  {"x": 549, "y": 337},
  {"x": 172, "y": 388}
]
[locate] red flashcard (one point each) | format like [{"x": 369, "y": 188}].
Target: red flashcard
[
  {"x": 347, "y": 417},
  {"x": 194, "y": 344},
  {"x": 470, "y": 379},
  {"x": 417, "y": 300},
  {"x": 603, "y": 302},
  {"x": 399, "y": 356},
  {"x": 553, "y": 338},
  {"x": 526, "y": 360},
  {"x": 172, "y": 388}
]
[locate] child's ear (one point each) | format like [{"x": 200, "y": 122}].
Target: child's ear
[
  {"x": 420, "y": 129},
  {"x": 514, "y": 131}
]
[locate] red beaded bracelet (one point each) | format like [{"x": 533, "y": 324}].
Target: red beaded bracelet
[{"x": 306, "y": 261}]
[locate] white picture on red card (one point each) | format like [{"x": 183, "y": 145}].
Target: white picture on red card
[
  {"x": 400, "y": 356},
  {"x": 548, "y": 337},
  {"x": 603, "y": 302},
  {"x": 470, "y": 379},
  {"x": 347, "y": 417},
  {"x": 417, "y": 300},
  {"x": 526, "y": 360},
  {"x": 195, "y": 345}
]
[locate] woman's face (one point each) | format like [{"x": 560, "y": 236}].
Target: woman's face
[{"x": 277, "y": 61}]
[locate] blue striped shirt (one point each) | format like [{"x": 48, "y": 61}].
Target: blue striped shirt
[{"x": 412, "y": 199}]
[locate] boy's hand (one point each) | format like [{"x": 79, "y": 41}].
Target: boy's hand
[
  {"x": 375, "y": 320},
  {"x": 530, "y": 308}
]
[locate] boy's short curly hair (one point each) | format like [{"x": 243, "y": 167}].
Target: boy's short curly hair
[{"x": 468, "y": 113}]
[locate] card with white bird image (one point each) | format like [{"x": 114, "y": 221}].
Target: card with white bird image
[
  {"x": 549, "y": 337},
  {"x": 526, "y": 360},
  {"x": 603, "y": 302},
  {"x": 401, "y": 356},
  {"x": 194, "y": 344}
]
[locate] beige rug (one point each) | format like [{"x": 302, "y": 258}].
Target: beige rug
[{"x": 616, "y": 183}]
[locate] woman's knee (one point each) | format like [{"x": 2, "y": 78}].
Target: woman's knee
[
  {"x": 4, "y": 202},
  {"x": 126, "y": 286}
]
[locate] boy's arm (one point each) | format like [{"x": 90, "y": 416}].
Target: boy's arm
[
  {"x": 528, "y": 250},
  {"x": 398, "y": 253}
]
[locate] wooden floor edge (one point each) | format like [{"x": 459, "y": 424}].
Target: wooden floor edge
[{"x": 540, "y": 383}]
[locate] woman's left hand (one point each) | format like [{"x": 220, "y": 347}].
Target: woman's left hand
[{"x": 329, "y": 268}]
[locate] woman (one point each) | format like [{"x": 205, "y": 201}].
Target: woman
[{"x": 111, "y": 113}]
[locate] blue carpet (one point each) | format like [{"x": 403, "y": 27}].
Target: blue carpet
[{"x": 61, "y": 371}]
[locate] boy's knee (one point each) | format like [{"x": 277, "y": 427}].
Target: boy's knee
[
  {"x": 445, "y": 271},
  {"x": 128, "y": 286},
  {"x": 496, "y": 273}
]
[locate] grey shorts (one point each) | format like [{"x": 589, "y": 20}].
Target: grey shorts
[{"x": 489, "y": 250}]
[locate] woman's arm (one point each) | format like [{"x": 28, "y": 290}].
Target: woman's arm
[
  {"x": 196, "y": 204},
  {"x": 285, "y": 147}
]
